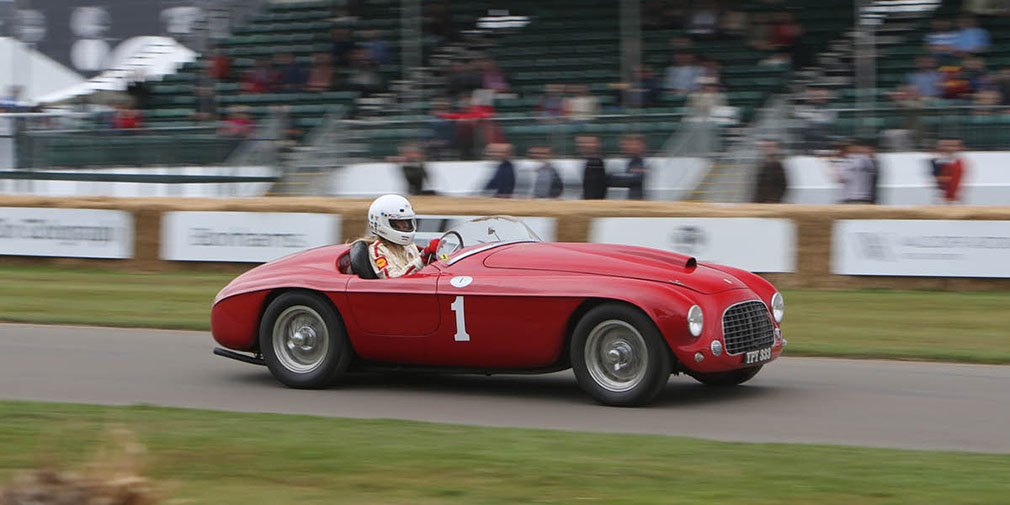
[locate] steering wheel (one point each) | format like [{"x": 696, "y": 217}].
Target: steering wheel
[{"x": 450, "y": 242}]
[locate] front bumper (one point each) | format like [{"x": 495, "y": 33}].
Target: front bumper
[{"x": 696, "y": 354}]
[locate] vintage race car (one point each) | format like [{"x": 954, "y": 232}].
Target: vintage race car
[{"x": 500, "y": 300}]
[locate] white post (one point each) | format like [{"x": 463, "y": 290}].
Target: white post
[
  {"x": 865, "y": 58},
  {"x": 410, "y": 44},
  {"x": 631, "y": 40}
]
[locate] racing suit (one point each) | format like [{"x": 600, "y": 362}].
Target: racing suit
[{"x": 392, "y": 260}]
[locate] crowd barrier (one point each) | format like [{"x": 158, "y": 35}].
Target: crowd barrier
[{"x": 943, "y": 248}]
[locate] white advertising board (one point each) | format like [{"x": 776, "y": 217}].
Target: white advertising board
[
  {"x": 70, "y": 233},
  {"x": 433, "y": 226},
  {"x": 243, "y": 236},
  {"x": 921, "y": 247},
  {"x": 754, "y": 244}
]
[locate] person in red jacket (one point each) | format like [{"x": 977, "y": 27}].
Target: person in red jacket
[{"x": 949, "y": 169}]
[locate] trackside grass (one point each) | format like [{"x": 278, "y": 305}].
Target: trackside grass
[
  {"x": 220, "y": 458},
  {"x": 970, "y": 327}
]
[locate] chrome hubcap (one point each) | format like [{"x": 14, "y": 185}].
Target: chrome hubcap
[
  {"x": 616, "y": 355},
  {"x": 300, "y": 339}
]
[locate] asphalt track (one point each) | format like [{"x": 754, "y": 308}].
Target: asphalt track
[{"x": 865, "y": 403}]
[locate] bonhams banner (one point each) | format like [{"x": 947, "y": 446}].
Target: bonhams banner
[
  {"x": 243, "y": 236},
  {"x": 755, "y": 244},
  {"x": 921, "y": 247},
  {"x": 70, "y": 233}
]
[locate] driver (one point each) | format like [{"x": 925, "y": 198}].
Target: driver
[{"x": 393, "y": 254}]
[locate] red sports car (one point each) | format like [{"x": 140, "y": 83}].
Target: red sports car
[{"x": 500, "y": 300}]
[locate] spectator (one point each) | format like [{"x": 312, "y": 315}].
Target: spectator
[
  {"x": 546, "y": 181},
  {"x": 948, "y": 169},
  {"x": 438, "y": 23},
  {"x": 463, "y": 79},
  {"x": 291, "y": 74},
  {"x": 581, "y": 106},
  {"x": 708, "y": 103},
  {"x": 364, "y": 78},
  {"x": 954, "y": 83},
  {"x": 859, "y": 174},
  {"x": 441, "y": 129},
  {"x": 971, "y": 38},
  {"x": 982, "y": 7},
  {"x": 257, "y": 79},
  {"x": 759, "y": 32},
  {"x": 471, "y": 129},
  {"x": 634, "y": 175},
  {"x": 491, "y": 76},
  {"x": 138, "y": 90},
  {"x": 772, "y": 182},
  {"x": 378, "y": 49},
  {"x": 503, "y": 182},
  {"x": 411, "y": 161},
  {"x": 926, "y": 79},
  {"x": 733, "y": 23},
  {"x": 594, "y": 173},
  {"x": 645, "y": 91},
  {"x": 682, "y": 76},
  {"x": 238, "y": 124},
  {"x": 320, "y": 77},
  {"x": 551, "y": 107},
  {"x": 817, "y": 119},
  {"x": 206, "y": 103},
  {"x": 704, "y": 21},
  {"x": 978, "y": 77},
  {"x": 909, "y": 136},
  {"x": 343, "y": 45},
  {"x": 219, "y": 67},
  {"x": 784, "y": 31},
  {"x": 125, "y": 118},
  {"x": 1002, "y": 82},
  {"x": 941, "y": 39}
]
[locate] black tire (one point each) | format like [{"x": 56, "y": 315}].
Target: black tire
[
  {"x": 726, "y": 379},
  {"x": 324, "y": 362},
  {"x": 606, "y": 329}
]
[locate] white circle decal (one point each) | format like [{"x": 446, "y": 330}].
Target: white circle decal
[{"x": 461, "y": 281}]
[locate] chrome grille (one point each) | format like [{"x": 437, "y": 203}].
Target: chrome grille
[{"x": 747, "y": 326}]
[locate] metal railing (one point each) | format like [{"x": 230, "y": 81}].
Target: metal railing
[
  {"x": 467, "y": 138},
  {"x": 911, "y": 128}
]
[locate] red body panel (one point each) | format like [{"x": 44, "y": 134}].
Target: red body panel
[{"x": 516, "y": 301}]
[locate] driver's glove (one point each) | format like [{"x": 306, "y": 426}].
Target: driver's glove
[{"x": 428, "y": 253}]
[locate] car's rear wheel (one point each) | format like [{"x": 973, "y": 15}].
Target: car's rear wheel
[
  {"x": 726, "y": 379},
  {"x": 303, "y": 341},
  {"x": 619, "y": 356}
]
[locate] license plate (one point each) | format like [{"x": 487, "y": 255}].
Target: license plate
[{"x": 757, "y": 356}]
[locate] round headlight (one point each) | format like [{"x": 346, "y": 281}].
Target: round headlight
[
  {"x": 695, "y": 320},
  {"x": 778, "y": 307}
]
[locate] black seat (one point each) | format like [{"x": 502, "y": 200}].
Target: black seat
[{"x": 360, "y": 264}]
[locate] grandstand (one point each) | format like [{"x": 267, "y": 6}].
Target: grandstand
[
  {"x": 565, "y": 46},
  {"x": 566, "y": 42}
]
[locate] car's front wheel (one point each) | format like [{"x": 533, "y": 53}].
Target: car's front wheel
[
  {"x": 303, "y": 341},
  {"x": 619, "y": 356},
  {"x": 726, "y": 379}
]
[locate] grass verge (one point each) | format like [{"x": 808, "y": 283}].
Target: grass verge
[
  {"x": 226, "y": 458},
  {"x": 945, "y": 326}
]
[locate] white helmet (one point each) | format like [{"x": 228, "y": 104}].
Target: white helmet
[{"x": 391, "y": 218}]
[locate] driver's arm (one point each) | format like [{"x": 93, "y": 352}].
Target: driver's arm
[{"x": 428, "y": 252}]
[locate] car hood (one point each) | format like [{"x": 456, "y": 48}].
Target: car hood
[{"x": 615, "y": 261}]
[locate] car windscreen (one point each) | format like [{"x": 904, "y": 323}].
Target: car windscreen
[{"x": 484, "y": 230}]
